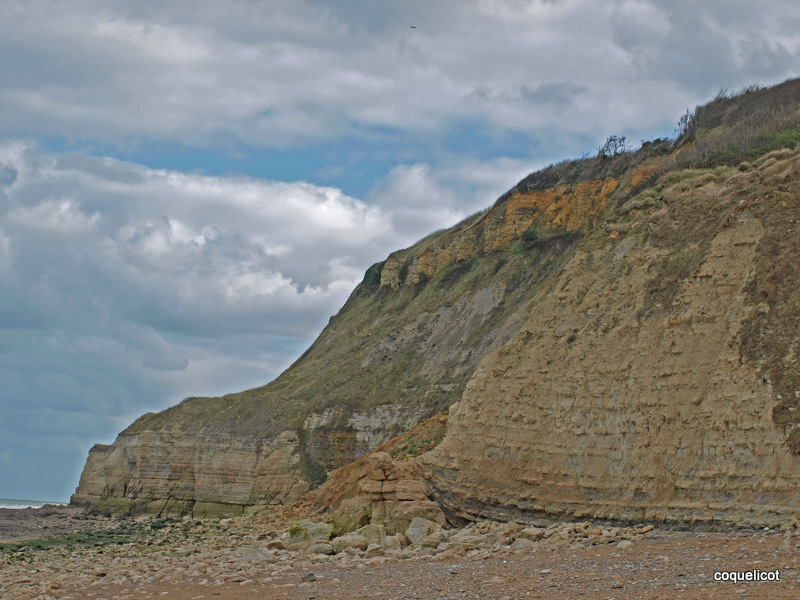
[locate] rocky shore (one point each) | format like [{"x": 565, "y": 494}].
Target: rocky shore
[{"x": 294, "y": 554}]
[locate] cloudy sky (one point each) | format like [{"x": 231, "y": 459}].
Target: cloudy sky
[{"x": 188, "y": 190}]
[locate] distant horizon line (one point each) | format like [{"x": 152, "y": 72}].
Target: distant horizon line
[{"x": 26, "y": 502}]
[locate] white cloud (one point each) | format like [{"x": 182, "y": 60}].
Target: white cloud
[
  {"x": 5, "y": 254},
  {"x": 165, "y": 44},
  {"x": 417, "y": 199},
  {"x": 703, "y": 46},
  {"x": 278, "y": 73},
  {"x": 150, "y": 268},
  {"x": 57, "y": 216},
  {"x": 193, "y": 246}
]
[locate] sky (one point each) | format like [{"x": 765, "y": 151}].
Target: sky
[{"x": 189, "y": 190}]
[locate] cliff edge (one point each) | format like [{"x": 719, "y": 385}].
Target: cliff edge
[{"x": 616, "y": 338}]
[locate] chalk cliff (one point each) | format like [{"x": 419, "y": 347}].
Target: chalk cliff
[{"x": 616, "y": 338}]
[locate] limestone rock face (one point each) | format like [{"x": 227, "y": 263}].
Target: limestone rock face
[
  {"x": 173, "y": 474},
  {"x": 600, "y": 408}
]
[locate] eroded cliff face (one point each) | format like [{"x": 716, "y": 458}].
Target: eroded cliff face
[
  {"x": 401, "y": 350},
  {"x": 174, "y": 473},
  {"x": 628, "y": 393},
  {"x": 565, "y": 208},
  {"x": 618, "y": 338}
]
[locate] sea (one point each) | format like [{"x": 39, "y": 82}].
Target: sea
[{"x": 14, "y": 503}]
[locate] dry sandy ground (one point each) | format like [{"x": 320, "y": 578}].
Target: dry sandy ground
[{"x": 221, "y": 566}]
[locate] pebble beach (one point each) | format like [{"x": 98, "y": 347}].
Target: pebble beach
[{"x": 60, "y": 553}]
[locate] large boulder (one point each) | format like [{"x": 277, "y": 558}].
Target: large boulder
[
  {"x": 373, "y": 533},
  {"x": 351, "y": 514},
  {"x": 420, "y": 528},
  {"x": 298, "y": 533},
  {"x": 309, "y": 531},
  {"x": 397, "y": 515}
]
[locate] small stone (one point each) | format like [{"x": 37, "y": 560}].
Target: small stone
[
  {"x": 299, "y": 546},
  {"x": 321, "y": 548},
  {"x": 533, "y": 534},
  {"x": 308, "y": 577},
  {"x": 470, "y": 540},
  {"x": 511, "y": 529},
  {"x": 431, "y": 541},
  {"x": 506, "y": 541},
  {"x": 351, "y": 540},
  {"x": 373, "y": 550},
  {"x": 451, "y": 553},
  {"x": 392, "y": 543}
]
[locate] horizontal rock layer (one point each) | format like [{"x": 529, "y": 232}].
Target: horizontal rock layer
[
  {"x": 602, "y": 408},
  {"x": 169, "y": 473}
]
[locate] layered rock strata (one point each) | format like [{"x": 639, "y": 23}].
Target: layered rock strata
[
  {"x": 397, "y": 499},
  {"x": 176, "y": 473},
  {"x": 606, "y": 405}
]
